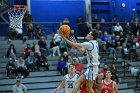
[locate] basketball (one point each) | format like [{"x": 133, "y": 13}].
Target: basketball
[{"x": 64, "y": 30}]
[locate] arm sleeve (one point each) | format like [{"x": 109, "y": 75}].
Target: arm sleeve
[{"x": 87, "y": 45}]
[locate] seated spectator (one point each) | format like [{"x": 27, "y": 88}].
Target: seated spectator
[
  {"x": 117, "y": 29},
  {"x": 127, "y": 29},
  {"x": 136, "y": 29},
  {"x": 12, "y": 34},
  {"x": 43, "y": 46},
  {"x": 70, "y": 61},
  {"x": 65, "y": 56},
  {"x": 11, "y": 68},
  {"x": 39, "y": 32},
  {"x": 30, "y": 62},
  {"x": 125, "y": 51},
  {"x": 27, "y": 51},
  {"x": 80, "y": 25},
  {"x": 105, "y": 37},
  {"x": 30, "y": 31},
  {"x": 11, "y": 52},
  {"x": 19, "y": 87},
  {"x": 79, "y": 67},
  {"x": 42, "y": 62},
  {"x": 133, "y": 53},
  {"x": 63, "y": 46},
  {"x": 104, "y": 69},
  {"x": 52, "y": 45},
  {"x": 99, "y": 29},
  {"x": 66, "y": 21},
  {"x": 113, "y": 71},
  {"x": 33, "y": 47},
  {"x": 57, "y": 40},
  {"x": 21, "y": 67},
  {"x": 110, "y": 47},
  {"x": 138, "y": 40},
  {"x": 61, "y": 66}
]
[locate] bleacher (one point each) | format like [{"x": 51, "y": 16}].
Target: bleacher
[{"x": 46, "y": 81}]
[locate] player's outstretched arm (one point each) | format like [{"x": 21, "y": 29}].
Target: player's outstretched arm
[
  {"x": 60, "y": 86},
  {"x": 73, "y": 44},
  {"x": 116, "y": 88}
]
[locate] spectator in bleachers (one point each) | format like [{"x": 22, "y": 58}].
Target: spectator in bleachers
[
  {"x": 42, "y": 62},
  {"x": 57, "y": 40},
  {"x": 133, "y": 53},
  {"x": 127, "y": 29},
  {"x": 61, "y": 66},
  {"x": 87, "y": 28},
  {"x": 118, "y": 28},
  {"x": 138, "y": 40},
  {"x": 105, "y": 38},
  {"x": 113, "y": 71},
  {"x": 110, "y": 47},
  {"x": 118, "y": 43},
  {"x": 19, "y": 87},
  {"x": 63, "y": 46},
  {"x": 11, "y": 52},
  {"x": 79, "y": 66},
  {"x": 66, "y": 21},
  {"x": 33, "y": 47},
  {"x": 43, "y": 46},
  {"x": 39, "y": 32},
  {"x": 11, "y": 68},
  {"x": 95, "y": 18},
  {"x": 80, "y": 26},
  {"x": 99, "y": 29},
  {"x": 136, "y": 29},
  {"x": 30, "y": 31},
  {"x": 52, "y": 45},
  {"x": 130, "y": 40},
  {"x": 125, "y": 51},
  {"x": 12, "y": 33},
  {"x": 104, "y": 69},
  {"x": 27, "y": 51},
  {"x": 30, "y": 62},
  {"x": 21, "y": 67},
  {"x": 65, "y": 56}
]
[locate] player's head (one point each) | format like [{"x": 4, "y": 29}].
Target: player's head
[
  {"x": 92, "y": 35},
  {"x": 108, "y": 74},
  {"x": 72, "y": 68}
]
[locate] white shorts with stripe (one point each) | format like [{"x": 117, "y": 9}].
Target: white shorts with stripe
[{"x": 91, "y": 72}]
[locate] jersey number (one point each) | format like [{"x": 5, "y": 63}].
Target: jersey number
[{"x": 70, "y": 85}]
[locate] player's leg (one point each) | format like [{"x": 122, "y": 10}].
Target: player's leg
[
  {"x": 89, "y": 84},
  {"x": 78, "y": 83}
]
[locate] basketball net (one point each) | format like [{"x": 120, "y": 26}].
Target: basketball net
[{"x": 16, "y": 15}]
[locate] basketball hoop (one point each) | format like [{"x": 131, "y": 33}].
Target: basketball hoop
[{"x": 16, "y": 15}]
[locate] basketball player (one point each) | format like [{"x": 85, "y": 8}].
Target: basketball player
[
  {"x": 69, "y": 80},
  {"x": 96, "y": 87},
  {"x": 92, "y": 51},
  {"x": 108, "y": 85}
]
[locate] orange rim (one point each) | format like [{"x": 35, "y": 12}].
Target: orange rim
[{"x": 19, "y": 7}]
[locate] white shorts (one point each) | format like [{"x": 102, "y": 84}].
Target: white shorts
[{"x": 91, "y": 72}]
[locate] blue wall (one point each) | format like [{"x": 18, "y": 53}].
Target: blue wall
[
  {"x": 109, "y": 8},
  {"x": 56, "y": 11}
]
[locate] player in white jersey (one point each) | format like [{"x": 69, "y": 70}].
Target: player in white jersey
[
  {"x": 69, "y": 80},
  {"x": 92, "y": 51}
]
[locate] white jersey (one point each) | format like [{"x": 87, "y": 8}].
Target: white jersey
[
  {"x": 70, "y": 82},
  {"x": 92, "y": 51},
  {"x": 92, "y": 55}
]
